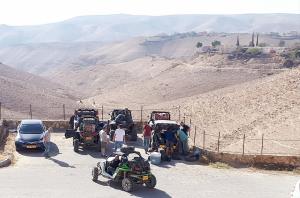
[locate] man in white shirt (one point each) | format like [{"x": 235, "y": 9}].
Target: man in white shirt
[
  {"x": 119, "y": 137},
  {"x": 46, "y": 141},
  {"x": 104, "y": 141}
]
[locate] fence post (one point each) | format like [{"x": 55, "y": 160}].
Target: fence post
[
  {"x": 141, "y": 114},
  {"x": 195, "y": 136},
  {"x": 262, "y": 144},
  {"x": 190, "y": 127},
  {"x": 102, "y": 111},
  {"x": 0, "y": 111},
  {"x": 184, "y": 118},
  {"x": 203, "y": 140},
  {"x": 30, "y": 111},
  {"x": 179, "y": 114},
  {"x": 219, "y": 142},
  {"x": 244, "y": 144},
  {"x": 64, "y": 111}
]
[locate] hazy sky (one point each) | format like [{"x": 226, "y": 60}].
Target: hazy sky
[{"x": 29, "y": 12}]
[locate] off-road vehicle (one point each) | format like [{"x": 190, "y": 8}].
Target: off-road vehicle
[
  {"x": 132, "y": 169},
  {"x": 122, "y": 117}
]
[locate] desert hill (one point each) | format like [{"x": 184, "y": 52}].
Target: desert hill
[
  {"x": 108, "y": 28},
  {"x": 46, "y": 59},
  {"x": 20, "y": 89}
]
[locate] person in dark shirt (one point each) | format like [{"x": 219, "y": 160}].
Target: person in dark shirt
[
  {"x": 185, "y": 128},
  {"x": 170, "y": 140}
]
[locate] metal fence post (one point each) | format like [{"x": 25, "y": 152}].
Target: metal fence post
[
  {"x": 184, "y": 118},
  {"x": 0, "y": 111},
  {"x": 262, "y": 144},
  {"x": 141, "y": 114},
  {"x": 244, "y": 144},
  {"x": 203, "y": 140},
  {"x": 30, "y": 111},
  {"x": 219, "y": 142},
  {"x": 179, "y": 114},
  {"x": 190, "y": 127},
  {"x": 64, "y": 111},
  {"x": 102, "y": 111},
  {"x": 195, "y": 136}
]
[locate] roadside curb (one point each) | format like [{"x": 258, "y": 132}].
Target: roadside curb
[{"x": 5, "y": 163}]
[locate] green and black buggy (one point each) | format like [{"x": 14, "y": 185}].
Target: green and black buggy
[{"x": 128, "y": 167}]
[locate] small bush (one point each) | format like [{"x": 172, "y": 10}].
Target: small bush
[
  {"x": 216, "y": 43},
  {"x": 219, "y": 165},
  {"x": 262, "y": 45},
  {"x": 254, "y": 51}
]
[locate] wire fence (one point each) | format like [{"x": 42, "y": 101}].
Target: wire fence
[{"x": 218, "y": 142}]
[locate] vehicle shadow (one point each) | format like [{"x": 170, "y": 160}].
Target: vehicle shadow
[
  {"x": 139, "y": 190},
  {"x": 54, "y": 150},
  {"x": 60, "y": 163}
]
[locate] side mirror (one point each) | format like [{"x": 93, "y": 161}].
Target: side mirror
[{"x": 14, "y": 131}]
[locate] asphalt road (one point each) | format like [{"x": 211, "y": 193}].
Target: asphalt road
[{"x": 68, "y": 174}]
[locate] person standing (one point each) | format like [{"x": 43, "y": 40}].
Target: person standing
[
  {"x": 147, "y": 136},
  {"x": 119, "y": 137},
  {"x": 183, "y": 140},
  {"x": 46, "y": 141},
  {"x": 104, "y": 141},
  {"x": 170, "y": 140}
]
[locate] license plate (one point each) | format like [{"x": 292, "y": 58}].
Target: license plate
[
  {"x": 88, "y": 138},
  {"x": 145, "y": 178},
  {"x": 31, "y": 146}
]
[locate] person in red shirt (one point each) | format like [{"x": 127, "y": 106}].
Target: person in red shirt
[{"x": 147, "y": 136}]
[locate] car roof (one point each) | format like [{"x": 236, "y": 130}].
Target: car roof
[
  {"x": 165, "y": 122},
  {"x": 31, "y": 122}
]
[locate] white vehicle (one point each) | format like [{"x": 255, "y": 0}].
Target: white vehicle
[{"x": 296, "y": 192}]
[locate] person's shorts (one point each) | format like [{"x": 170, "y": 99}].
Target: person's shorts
[{"x": 169, "y": 144}]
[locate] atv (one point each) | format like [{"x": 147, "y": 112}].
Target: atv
[
  {"x": 86, "y": 132},
  {"x": 122, "y": 117},
  {"x": 131, "y": 170}
]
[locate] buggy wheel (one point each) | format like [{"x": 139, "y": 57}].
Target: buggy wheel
[
  {"x": 151, "y": 183},
  {"x": 76, "y": 145},
  {"x": 127, "y": 184},
  {"x": 133, "y": 135},
  {"x": 95, "y": 173}
]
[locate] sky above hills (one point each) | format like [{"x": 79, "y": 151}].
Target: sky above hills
[{"x": 33, "y": 12}]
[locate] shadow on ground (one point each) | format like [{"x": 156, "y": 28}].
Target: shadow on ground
[
  {"x": 139, "y": 190},
  {"x": 54, "y": 150},
  {"x": 60, "y": 163}
]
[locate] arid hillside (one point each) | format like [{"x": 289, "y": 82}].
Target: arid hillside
[
  {"x": 47, "y": 59},
  {"x": 269, "y": 106},
  {"x": 20, "y": 89}
]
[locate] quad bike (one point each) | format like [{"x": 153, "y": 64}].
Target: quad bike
[{"x": 132, "y": 170}]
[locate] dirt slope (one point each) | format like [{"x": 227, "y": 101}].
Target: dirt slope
[
  {"x": 20, "y": 89},
  {"x": 269, "y": 106}
]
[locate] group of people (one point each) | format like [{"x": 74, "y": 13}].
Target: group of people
[
  {"x": 178, "y": 138},
  {"x": 118, "y": 139}
]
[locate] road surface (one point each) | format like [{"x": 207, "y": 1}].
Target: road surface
[{"x": 68, "y": 174}]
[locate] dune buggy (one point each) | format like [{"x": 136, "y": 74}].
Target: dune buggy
[
  {"x": 86, "y": 132},
  {"x": 132, "y": 169}
]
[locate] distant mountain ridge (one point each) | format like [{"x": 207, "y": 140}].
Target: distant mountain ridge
[{"x": 108, "y": 28}]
